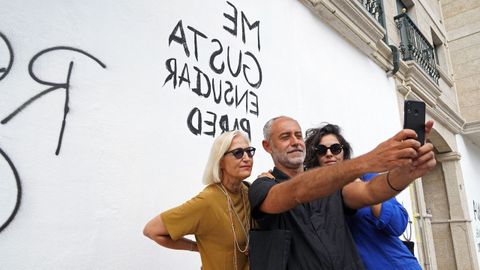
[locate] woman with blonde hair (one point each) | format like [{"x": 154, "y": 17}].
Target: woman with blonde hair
[{"x": 219, "y": 216}]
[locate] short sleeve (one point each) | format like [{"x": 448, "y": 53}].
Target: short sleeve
[
  {"x": 186, "y": 218},
  {"x": 257, "y": 193},
  {"x": 393, "y": 218}
]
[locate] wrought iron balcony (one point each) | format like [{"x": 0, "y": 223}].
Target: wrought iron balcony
[
  {"x": 414, "y": 46},
  {"x": 375, "y": 8}
]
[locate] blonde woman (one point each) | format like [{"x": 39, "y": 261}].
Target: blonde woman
[{"x": 219, "y": 216}]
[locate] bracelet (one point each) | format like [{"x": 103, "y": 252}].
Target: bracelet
[
  {"x": 191, "y": 246},
  {"x": 390, "y": 184}
]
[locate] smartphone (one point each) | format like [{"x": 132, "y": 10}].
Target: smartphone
[{"x": 414, "y": 118}]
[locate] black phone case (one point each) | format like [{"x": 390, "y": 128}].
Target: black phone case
[{"x": 414, "y": 118}]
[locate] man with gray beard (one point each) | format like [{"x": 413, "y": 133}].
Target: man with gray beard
[{"x": 310, "y": 206}]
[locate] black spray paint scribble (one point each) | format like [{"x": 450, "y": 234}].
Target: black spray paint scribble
[
  {"x": 19, "y": 191},
  {"x": 6, "y": 66},
  {"x": 53, "y": 86}
]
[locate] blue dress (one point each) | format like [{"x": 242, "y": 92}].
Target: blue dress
[{"x": 377, "y": 238}]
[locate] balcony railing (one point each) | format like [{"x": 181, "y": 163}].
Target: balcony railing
[
  {"x": 414, "y": 46},
  {"x": 375, "y": 8}
]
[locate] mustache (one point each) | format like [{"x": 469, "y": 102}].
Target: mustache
[{"x": 295, "y": 149}]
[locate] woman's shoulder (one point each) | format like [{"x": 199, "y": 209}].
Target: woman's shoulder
[
  {"x": 210, "y": 191},
  {"x": 204, "y": 198}
]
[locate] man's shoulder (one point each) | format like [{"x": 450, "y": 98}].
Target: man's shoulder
[
  {"x": 260, "y": 187},
  {"x": 264, "y": 180}
]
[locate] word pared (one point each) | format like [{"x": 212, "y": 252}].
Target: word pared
[{"x": 207, "y": 122}]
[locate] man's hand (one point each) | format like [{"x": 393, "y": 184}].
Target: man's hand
[
  {"x": 426, "y": 158},
  {"x": 419, "y": 167},
  {"x": 404, "y": 167},
  {"x": 423, "y": 163},
  {"x": 399, "y": 151}
]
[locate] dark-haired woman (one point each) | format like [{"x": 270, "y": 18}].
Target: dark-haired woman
[{"x": 375, "y": 229}]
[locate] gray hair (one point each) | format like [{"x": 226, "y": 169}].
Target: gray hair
[
  {"x": 220, "y": 146},
  {"x": 267, "y": 128}
]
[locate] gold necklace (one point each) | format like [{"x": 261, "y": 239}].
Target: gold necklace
[{"x": 245, "y": 228}]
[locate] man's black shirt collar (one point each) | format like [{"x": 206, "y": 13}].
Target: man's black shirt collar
[{"x": 279, "y": 175}]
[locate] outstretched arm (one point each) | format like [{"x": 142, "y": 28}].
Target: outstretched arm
[
  {"x": 386, "y": 186},
  {"x": 156, "y": 230},
  {"x": 398, "y": 151}
]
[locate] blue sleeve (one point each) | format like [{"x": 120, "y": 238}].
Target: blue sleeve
[
  {"x": 368, "y": 176},
  {"x": 393, "y": 218}
]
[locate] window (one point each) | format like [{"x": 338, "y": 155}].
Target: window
[
  {"x": 400, "y": 7},
  {"x": 404, "y": 4},
  {"x": 439, "y": 50}
]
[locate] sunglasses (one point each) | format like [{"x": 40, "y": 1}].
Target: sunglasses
[
  {"x": 335, "y": 148},
  {"x": 239, "y": 152}
]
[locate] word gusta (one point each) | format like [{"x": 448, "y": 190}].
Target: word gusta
[
  {"x": 219, "y": 60},
  {"x": 178, "y": 35},
  {"x": 53, "y": 86}
]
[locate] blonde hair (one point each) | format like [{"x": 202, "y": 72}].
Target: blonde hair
[{"x": 220, "y": 146}]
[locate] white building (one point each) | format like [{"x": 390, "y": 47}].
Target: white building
[{"x": 108, "y": 110}]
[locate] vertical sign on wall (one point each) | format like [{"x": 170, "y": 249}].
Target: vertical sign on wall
[{"x": 232, "y": 79}]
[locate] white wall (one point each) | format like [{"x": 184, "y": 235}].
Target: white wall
[
  {"x": 470, "y": 160},
  {"x": 127, "y": 152}
]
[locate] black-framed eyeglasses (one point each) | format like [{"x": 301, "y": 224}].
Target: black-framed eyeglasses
[
  {"x": 239, "y": 152},
  {"x": 335, "y": 148}
]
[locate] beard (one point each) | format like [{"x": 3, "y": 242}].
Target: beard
[{"x": 289, "y": 160}]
